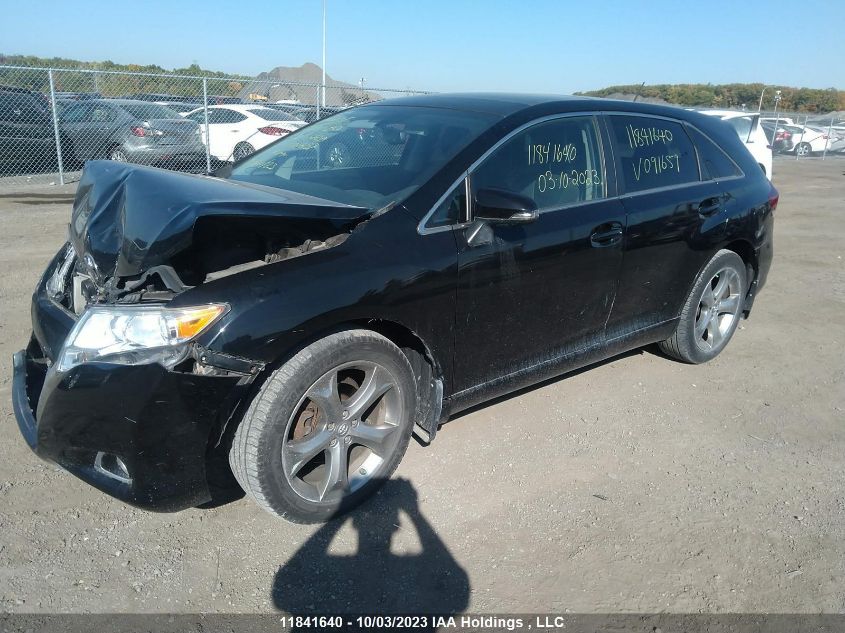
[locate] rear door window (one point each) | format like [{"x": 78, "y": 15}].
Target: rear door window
[
  {"x": 225, "y": 115},
  {"x": 652, "y": 153}
]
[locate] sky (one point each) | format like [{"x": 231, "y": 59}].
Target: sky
[{"x": 448, "y": 45}]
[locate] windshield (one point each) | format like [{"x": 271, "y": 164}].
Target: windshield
[
  {"x": 148, "y": 111},
  {"x": 366, "y": 156}
]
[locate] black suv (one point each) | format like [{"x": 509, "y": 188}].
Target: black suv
[
  {"x": 292, "y": 323},
  {"x": 27, "y": 135}
]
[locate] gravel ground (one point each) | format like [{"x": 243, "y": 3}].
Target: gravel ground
[{"x": 638, "y": 485}]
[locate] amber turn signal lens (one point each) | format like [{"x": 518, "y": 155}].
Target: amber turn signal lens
[{"x": 190, "y": 322}]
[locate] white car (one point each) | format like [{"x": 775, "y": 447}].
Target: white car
[
  {"x": 808, "y": 139},
  {"x": 236, "y": 131},
  {"x": 750, "y": 132}
]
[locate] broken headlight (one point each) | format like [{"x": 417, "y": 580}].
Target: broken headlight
[{"x": 135, "y": 335}]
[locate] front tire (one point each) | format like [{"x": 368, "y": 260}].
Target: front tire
[
  {"x": 712, "y": 311},
  {"x": 327, "y": 428}
]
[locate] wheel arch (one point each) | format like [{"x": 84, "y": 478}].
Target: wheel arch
[{"x": 427, "y": 369}]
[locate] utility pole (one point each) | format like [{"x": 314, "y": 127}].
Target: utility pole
[{"x": 323, "y": 98}]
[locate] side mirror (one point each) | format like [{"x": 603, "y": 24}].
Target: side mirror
[{"x": 497, "y": 206}]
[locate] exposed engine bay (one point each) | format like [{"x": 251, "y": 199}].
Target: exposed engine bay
[{"x": 141, "y": 235}]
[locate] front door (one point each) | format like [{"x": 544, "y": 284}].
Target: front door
[{"x": 534, "y": 292}]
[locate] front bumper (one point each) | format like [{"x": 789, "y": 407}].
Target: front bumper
[{"x": 141, "y": 433}]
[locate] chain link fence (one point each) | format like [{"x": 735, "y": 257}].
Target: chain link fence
[
  {"x": 53, "y": 120},
  {"x": 803, "y": 135}
]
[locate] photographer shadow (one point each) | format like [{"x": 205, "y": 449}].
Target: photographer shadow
[{"x": 374, "y": 580}]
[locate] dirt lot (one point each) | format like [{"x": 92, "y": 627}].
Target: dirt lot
[{"x": 639, "y": 485}]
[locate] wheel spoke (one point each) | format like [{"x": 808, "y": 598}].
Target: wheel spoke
[
  {"x": 714, "y": 334},
  {"x": 376, "y": 438},
  {"x": 337, "y": 471},
  {"x": 325, "y": 395},
  {"x": 729, "y": 305},
  {"x": 376, "y": 383},
  {"x": 722, "y": 286},
  {"x": 297, "y": 453}
]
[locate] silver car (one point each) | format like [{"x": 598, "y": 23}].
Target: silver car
[{"x": 131, "y": 131}]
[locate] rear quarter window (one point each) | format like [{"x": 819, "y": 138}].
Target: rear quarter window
[
  {"x": 652, "y": 153},
  {"x": 715, "y": 162}
]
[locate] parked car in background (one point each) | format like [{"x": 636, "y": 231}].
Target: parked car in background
[
  {"x": 181, "y": 107},
  {"x": 807, "y": 140},
  {"x": 749, "y": 130},
  {"x": 837, "y": 140},
  {"x": 131, "y": 131},
  {"x": 307, "y": 113},
  {"x": 779, "y": 138},
  {"x": 237, "y": 130},
  {"x": 302, "y": 321},
  {"x": 27, "y": 135},
  {"x": 772, "y": 119}
]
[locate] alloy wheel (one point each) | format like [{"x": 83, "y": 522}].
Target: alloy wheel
[
  {"x": 718, "y": 309},
  {"x": 337, "y": 155},
  {"x": 342, "y": 432}
]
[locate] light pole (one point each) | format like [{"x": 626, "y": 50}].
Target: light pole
[
  {"x": 760, "y": 106},
  {"x": 775, "y": 131},
  {"x": 323, "y": 97}
]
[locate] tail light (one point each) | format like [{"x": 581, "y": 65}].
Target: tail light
[
  {"x": 273, "y": 131},
  {"x": 137, "y": 130},
  {"x": 774, "y": 197}
]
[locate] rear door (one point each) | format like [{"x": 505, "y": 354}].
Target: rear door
[
  {"x": 535, "y": 292},
  {"x": 675, "y": 219},
  {"x": 93, "y": 128},
  {"x": 226, "y": 128}
]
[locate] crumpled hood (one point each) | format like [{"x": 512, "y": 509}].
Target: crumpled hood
[{"x": 128, "y": 218}]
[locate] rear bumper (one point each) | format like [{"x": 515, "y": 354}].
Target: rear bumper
[
  {"x": 763, "y": 254},
  {"x": 168, "y": 156}
]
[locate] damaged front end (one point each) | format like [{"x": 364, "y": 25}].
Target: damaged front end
[
  {"x": 142, "y": 234},
  {"x": 117, "y": 385}
]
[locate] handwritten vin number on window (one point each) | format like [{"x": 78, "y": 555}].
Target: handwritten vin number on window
[
  {"x": 540, "y": 154},
  {"x": 657, "y": 165},
  {"x": 647, "y": 136},
  {"x": 565, "y": 179}
]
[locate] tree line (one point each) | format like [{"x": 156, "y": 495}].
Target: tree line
[
  {"x": 734, "y": 96},
  {"x": 111, "y": 85}
]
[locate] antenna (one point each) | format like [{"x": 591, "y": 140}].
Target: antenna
[{"x": 637, "y": 95}]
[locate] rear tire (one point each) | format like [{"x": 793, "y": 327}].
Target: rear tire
[
  {"x": 328, "y": 428},
  {"x": 803, "y": 149},
  {"x": 712, "y": 311}
]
